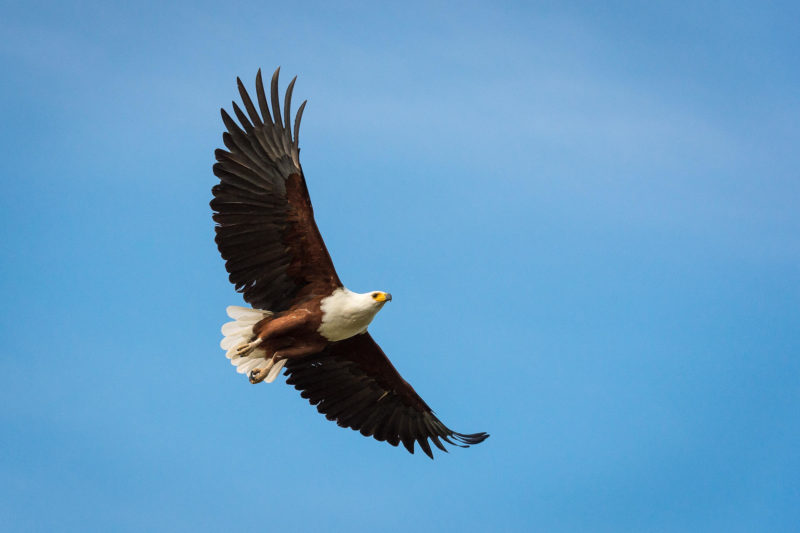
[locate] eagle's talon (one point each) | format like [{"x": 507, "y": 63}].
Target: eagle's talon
[
  {"x": 244, "y": 349},
  {"x": 258, "y": 375}
]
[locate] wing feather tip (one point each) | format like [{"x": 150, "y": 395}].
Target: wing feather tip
[{"x": 425, "y": 447}]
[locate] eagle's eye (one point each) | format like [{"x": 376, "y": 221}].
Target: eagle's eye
[{"x": 375, "y": 295}]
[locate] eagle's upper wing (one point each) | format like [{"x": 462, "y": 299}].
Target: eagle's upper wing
[
  {"x": 265, "y": 224},
  {"x": 353, "y": 383}
]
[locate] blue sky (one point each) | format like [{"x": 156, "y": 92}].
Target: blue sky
[{"x": 587, "y": 214}]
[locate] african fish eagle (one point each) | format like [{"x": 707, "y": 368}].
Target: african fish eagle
[{"x": 302, "y": 318}]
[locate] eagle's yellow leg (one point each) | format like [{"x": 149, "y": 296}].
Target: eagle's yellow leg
[{"x": 245, "y": 348}]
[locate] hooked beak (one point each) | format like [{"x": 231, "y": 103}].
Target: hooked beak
[{"x": 384, "y": 297}]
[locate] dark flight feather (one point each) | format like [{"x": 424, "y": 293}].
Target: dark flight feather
[
  {"x": 262, "y": 193},
  {"x": 353, "y": 383}
]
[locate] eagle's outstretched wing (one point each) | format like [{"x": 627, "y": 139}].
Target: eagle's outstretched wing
[
  {"x": 265, "y": 224},
  {"x": 353, "y": 383}
]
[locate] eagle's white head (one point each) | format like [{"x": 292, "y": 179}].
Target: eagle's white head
[{"x": 346, "y": 313}]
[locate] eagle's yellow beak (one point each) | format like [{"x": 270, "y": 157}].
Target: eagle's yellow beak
[{"x": 383, "y": 297}]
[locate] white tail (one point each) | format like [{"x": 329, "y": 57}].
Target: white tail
[{"x": 239, "y": 334}]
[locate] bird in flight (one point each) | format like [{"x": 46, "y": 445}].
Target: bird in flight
[{"x": 303, "y": 318}]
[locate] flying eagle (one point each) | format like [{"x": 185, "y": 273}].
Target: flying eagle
[{"x": 303, "y": 318}]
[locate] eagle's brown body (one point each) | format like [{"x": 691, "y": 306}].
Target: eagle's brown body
[
  {"x": 293, "y": 333},
  {"x": 302, "y": 315}
]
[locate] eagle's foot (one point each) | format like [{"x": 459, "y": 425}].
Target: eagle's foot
[
  {"x": 246, "y": 348},
  {"x": 258, "y": 375}
]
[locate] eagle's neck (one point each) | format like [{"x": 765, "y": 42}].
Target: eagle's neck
[{"x": 346, "y": 313}]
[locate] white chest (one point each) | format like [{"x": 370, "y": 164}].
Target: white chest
[{"x": 345, "y": 313}]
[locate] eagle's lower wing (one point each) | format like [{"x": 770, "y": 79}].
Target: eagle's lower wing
[
  {"x": 265, "y": 224},
  {"x": 353, "y": 383}
]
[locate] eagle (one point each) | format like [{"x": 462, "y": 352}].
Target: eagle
[{"x": 303, "y": 319}]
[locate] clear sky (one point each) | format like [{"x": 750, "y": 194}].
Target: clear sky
[{"x": 587, "y": 214}]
